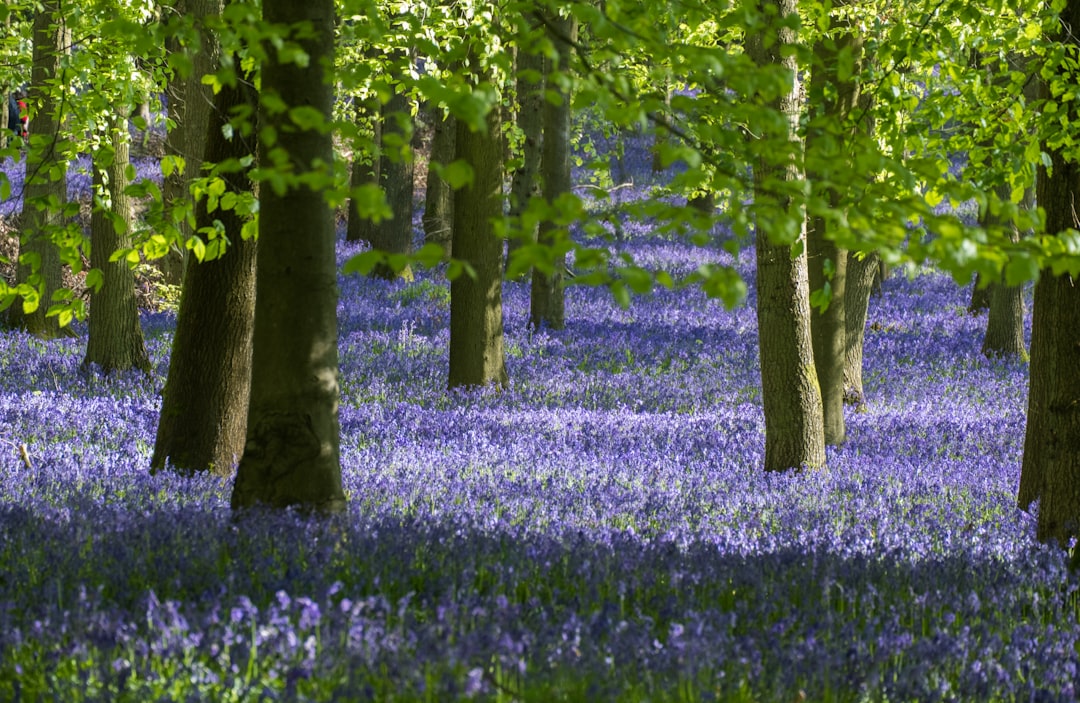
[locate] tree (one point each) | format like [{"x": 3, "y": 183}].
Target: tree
[
  {"x": 476, "y": 317},
  {"x": 438, "y": 195},
  {"x": 862, "y": 272},
  {"x": 1005, "y": 317},
  {"x": 201, "y": 426},
  {"x": 525, "y": 181},
  {"x": 39, "y": 271},
  {"x": 1050, "y": 473},
  {"x": 547, "y": 306},
  {"x": 291, "y": 454},
  {"x": 834, "y": 97},
  {"x": 393, "y": 235},
  {"x": 792, "y": 399},
  {"x": 189, "y": 105},
  {"x": 364, "y": 172},
  {"x": 114, "y": 336}
]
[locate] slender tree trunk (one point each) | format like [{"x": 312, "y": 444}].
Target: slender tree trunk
[
  {"x": 44, "y": 194},
  {"x": 365, "y": 172},
  {"x": 547, "y": 304},
  {"x": 292, "y": 452},
  {"x": 862, "y": 271},
  {"x": 189, "y": 106},
  {"x": 115, "y": 338},
  {"x": 794, "y": 436},
  {"x": 476, "y": 317},
  {"x": 834, "y": 98},
  {"x": 439, "y": 196},
  {"x": 204, "y": 404},
  {"x": 1005, "y": 322},
  {"x": 396, "y": 171},
  {"x": 1050, "y": 472},
  {"x": 525, "y": 182}
]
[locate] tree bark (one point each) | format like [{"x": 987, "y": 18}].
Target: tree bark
[
  {"x": 794, "y": 436},
  {"x": 114, "y": 338},
  {"x": 365, "y": 171},
  {"x": 862, "y": 272},
  {"x": 1050, "y": 472},
  {"x": 827, "y": 263},
  {"x": 525, "y": 183},
  {"x": 396, "y": 169},
  {"x": 547, "y": 303},
  {"x": 189, "y": 105},
  {"x": 204, "y": 403},
  {"x": 43, "y": 195},
  {"x": 1005, "y": 320},
  {"x": 438, "y": 195},
  {"x": 292, "y": 452},
  {"x": 476, "y": 317}
]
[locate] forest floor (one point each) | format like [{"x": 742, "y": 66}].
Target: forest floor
[{"x": 600, "y": 530}]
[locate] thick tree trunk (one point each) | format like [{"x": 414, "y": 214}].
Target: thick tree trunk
[
  {"x": 39, "y": 221},
  {"x": 204, "y": 404},
  {"x": 115, "y": 338},
  {"x": 862, "y": 272},
  {"x": 189, "y": 105},
  {"x": 292, "y": 453},
  {"x": 439, "y": 196},
  {"x": 1050, "y": 472},
  {"x": 525, "y": 183},
  {"x": 792, "y": 399},
  {"x": 476, "y": 317},
  {"x": 547, "y": 303},
  {"x": 1005, "y": 322},
  {"x": 396, "y": 169}
]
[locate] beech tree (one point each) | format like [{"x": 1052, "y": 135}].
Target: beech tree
[
  {"x": 291, "y": 454},
  {"x": 476, "y": 317},
  {"x": 794, "y": 435},
  {"x": 45, "y": 193},
  {"x": 547, "y": 305}
]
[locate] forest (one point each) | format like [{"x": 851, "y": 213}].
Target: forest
[{"x": 533, "y": 351}]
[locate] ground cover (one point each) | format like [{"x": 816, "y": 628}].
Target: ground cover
[{"x": 599, "y": 531}]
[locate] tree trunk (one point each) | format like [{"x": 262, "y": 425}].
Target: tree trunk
[
  {"x": 476, "y": 317},
  {"x": 204, "y": 404},
  {"x": 292, "y": 453},
  {"x": 547, "y": 304},
  {"x": 365, "y": 171},
  {"x": 115, "y": 338},
  {"x": 794, "y": 436},
  {"x": 40, "y": 220},
  {"x": 834, "y": 99},
  {"x": 396, "y": 170},
  {"x": 438, "y": 195},
  {"x": 1005, "y": 322},
  {"x": 862, "y": 272},
  {"x": 189, "y": 106},
  {"x": 1050, "y": 472},
  {"x": 525, "y": 182}
]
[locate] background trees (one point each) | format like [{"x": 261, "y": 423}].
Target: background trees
[{"x": 921, "y": 155}]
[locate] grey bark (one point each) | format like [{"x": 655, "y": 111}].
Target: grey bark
[
  {"x": 1004, "y": 335},
  {"x": 547, "y": 303},
  {"x": 39, "y": 221},
  {"x": 794, "y": 435},
  {"x": 862, "y": 272},
  {"x": 396, "y": 170},
  {"x": 189, "y": 106},
  {"x": 1050, "y": 471},
  {"x": 204, "y": 404},
  {"x": 292, "y": 451},
  {"x": 525, "y": 183},
  {"x": 365, "y": 171},
  {"x": 476, "y": 318},
  {"x": 438, "y": 195},
  {"x": 114, "y": 337}
]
